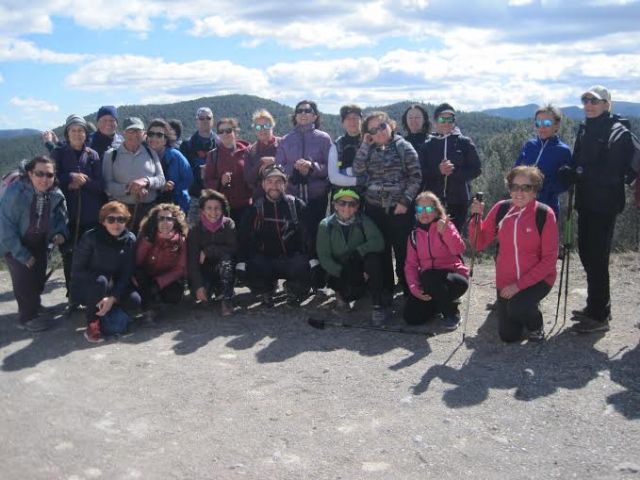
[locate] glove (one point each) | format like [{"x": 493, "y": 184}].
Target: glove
[
  {"x": 567, "y": 175},
  {"x": 241, "y": 271}
]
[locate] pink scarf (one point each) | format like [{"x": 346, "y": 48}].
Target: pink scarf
[{"x": 213, "y": 227}]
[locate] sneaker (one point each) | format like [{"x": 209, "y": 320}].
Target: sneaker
[
  {"x": 450, "y": 322},
  {"x": 293, "y": 300},
  {"x": 226, "y": 308},
  {"x": 266, "y": 299},
  {"x": 536, "y": 335},
  {"x": 92, "y": 332},
  {"x": 378, "y": 316},
  {"x": 341, "y": 304},
  {"x": 37, "y": 324},
  {"x": 590, "y": 325},
  {"x": 491, "y": 306},
  {"x": 579, "y": 314}
]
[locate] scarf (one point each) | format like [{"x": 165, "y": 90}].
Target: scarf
[
  {"x": 212, "y": 227},
  {"x": 42, "y": 201}
]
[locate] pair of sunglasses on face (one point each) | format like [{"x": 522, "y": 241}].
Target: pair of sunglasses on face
[
  {"x": 267, "y": 126},
  {"x": 155, "y": 134},
  {"x": 373, "y": 130},
  {"x": 525, "y": 188},
  {"x": 425, "y": 209},
  {"x": 111, "y": 219},
  {"x": 546, "y": 123},
  {"x": 451, "y": 119},
  {"x": 40, "y": 174}
]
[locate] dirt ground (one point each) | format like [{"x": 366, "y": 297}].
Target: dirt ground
[{"x": 262, "y": 395}]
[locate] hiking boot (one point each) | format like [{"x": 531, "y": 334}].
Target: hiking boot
[
  {"x": 580, "y": 314},
  {"x": 378, "y": 316},
  {"x": 491, "y": 306},
  {"x": 341, "y": 304},
  {"x": 92, "y": 332},
  {"x": 226, "y": 308},
  {"x": 267, "y": 299},
  {"x": 293, "y": 300},
  {"x": 450, "y": 322},
  {"x": 536, "y": 335},
  {"x": 37, "y": 324},
  {"x": 590, "y": 325}
]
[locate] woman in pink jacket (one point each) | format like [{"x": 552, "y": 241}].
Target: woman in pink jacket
[
  {"x": 527, "y": 235},
  {"x": 434, "y": 270}
]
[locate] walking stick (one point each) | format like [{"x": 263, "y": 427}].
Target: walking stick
[{"x": 476, "y": 218}]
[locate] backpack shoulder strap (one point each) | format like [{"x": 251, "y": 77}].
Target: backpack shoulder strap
[
  {"x": 502, "y": 211},
  {"x": 114, "y": 155},
  {"x": 293, "y": 211},
  {"x": 413, "y": 239},
  {"x": 541, "y": 216}
]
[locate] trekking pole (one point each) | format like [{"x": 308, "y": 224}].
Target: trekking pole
[{"x": 476, "y": 218}]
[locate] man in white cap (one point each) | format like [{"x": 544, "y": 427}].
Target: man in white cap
[{"x": 601, "y": 158}]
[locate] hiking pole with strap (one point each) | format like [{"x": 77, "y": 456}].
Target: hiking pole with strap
[{"x": 476, "y": 218}]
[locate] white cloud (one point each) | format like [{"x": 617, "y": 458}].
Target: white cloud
[
  {"x": 30, "y": 104},
  {"x": 21, "y": 50},
  {"x": 1, "y": 78}
]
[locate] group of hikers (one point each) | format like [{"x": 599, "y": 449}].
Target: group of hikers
[{"x": 136, "y": 215}]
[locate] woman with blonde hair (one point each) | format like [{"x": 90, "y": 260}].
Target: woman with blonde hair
[{"x": 262, "y": 152}]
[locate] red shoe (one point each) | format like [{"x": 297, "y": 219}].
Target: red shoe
[{"x": 92, "y": 333}]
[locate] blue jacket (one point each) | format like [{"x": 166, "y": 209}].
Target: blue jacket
[
  {"x": 93, "y": 196},
  {"x": 15, "y": 216},
  {"x": 177, "y": 169},
  {"x": 550, "y": 155}
]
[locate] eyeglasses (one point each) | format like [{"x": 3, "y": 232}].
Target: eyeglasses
[
  {"x": 590, "y": 100},
  {"x": 546, "y": 123},
  {"x": 225, "y": 130},
  {"x": 425, "y": 209},
  {"x": 40, "y": 174},
  {"x": 205, "y": 119},
  {"x": 300, "y": 111},
  {"x": 164, "y": 218},
  {"x": 379, "y": 128},
  {"x": 111, "y": 219},
  {"x": 155, "y": 134},
  {"x": 450, "y": 119},
  {"x": 524, "y": 187},
  {"x": 347, "y": 203},
  {"x": 266, "y": 126}
]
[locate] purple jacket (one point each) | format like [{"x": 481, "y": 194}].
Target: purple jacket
[{"x": 311, "y": 144}]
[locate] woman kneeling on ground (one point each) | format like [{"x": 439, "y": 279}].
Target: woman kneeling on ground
[
  {"x": 527, "y": 236},
  {"x": 103, "y": 266},
  {"x": 161, "y": 256},
  {"x": 349, "y": 248},
  {"x": 434, "y": 269},
  {"x": 212, "y": 245}
]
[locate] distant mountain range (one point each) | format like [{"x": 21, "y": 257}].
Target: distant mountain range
[
  {"x": 626, "y": 109},
  {"x": 18, "y": 133}
]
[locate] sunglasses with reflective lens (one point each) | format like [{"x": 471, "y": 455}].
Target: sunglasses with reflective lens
[
  {"x": 300, "y": 111},
  {"x": 111, "y": 219},
  {"x": 347, "y": 203},
  {"x": 40, "y": 174},
  {"x": 451, "y": 119},
  {"x": 373, "y": 130},
  {"x": 525, "y": 188},
  {"x": 165, "y": 218},
  {"x": 155, "y": 134},
  {"x": 546, "y": 123},
  {"x": 425, "y": 209},
  {"x": 258, "y": 127},
  {"x": 225, "y": 130},
  {"x": 591, "y": 100}
]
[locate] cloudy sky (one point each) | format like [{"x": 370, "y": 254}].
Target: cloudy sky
[{"x": 70, "y": 56}]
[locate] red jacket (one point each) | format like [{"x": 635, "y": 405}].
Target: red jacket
[
  {"x": 223, "y": 160},
  {"x": 433, "y": 251},
  {"x": 525, "y": 257},
  {"x": 165, "y": 259}
]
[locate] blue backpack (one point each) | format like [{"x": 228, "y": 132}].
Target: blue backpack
[{"x": 115, "y": 322}]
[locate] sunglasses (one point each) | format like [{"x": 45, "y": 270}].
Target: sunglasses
[
  {"x": 164, "y": 218},
  {"x": 40, "y": 174},
  {"x": 155, "y": 134},
  {"x": 451, "y": 119},
  {"x": 543, "y": 123},
  {"x": 300, "y": 111},
  {"x": 382, "y": 126},
  {"x": 347, "y": 203},
  {"x": 228, "y": 131},
  {"x": 425, "y": 209},
  {"x": 204, "y": 119},
  {"x": 590, "y": 100},
  {"x": 258, "y": 127},
  {"x": 111, "y": 219},
  {"x": 525, "y": 188}
]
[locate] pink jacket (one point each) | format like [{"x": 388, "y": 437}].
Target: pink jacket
[
  {"x": 433, "y": 251},
  {"x": 525, "y": 257}
]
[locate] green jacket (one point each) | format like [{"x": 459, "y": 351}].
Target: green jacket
[{"x": 333, "y": 249}]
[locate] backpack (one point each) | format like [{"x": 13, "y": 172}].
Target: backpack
[
  {"x": 633, "y": 175},
  {"x": 541, "y": 215},
  {"x": 115, "y": 322},
  {"x": 293, "y": 212},
  {"x": 12, "y": 176},
  {"x": 115, "y": 153}
]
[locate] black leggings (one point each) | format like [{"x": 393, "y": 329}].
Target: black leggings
[
  {"x": 521, "y": 311},
  {"x": 444, "y": 287}
]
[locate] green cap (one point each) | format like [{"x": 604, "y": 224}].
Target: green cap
[{"x": 346, "y": 192}]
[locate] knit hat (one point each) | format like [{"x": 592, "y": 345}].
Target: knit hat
[
  {"x": 346, "y": 192},
  {"x": 107, "y": 110},
  {"x": 444, "y": 108},
  {"x": 133, "y": 123},
  {"x": 75, "y": 119},
  {"x": 600, "y": 92},
  {"x": 348, "y": 109}
]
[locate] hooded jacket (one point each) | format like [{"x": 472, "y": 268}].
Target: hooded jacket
[{"x": 177, "y": 169}]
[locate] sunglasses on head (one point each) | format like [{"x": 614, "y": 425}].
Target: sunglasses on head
[
  {"x": 525, "y": 188},
  {"x": 451, "y": 119},
  {"x": 266, "y": 126},
  {"x": 300, "y": 111},
  {"x": 373, "y": 130},
  {"x": 425, "y": 209},
  {"x": 544, "y": 123},
  {"x": 111, "y": 219},
  {"x": 225, "y": 130},
  {"x": 40, "y": 174},
  {"x": 155, "y": 134},
  {"x": 591, "y": 100},
  {"x": 347, "y": 203}
]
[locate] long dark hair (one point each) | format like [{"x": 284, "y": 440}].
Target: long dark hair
[
  {"x": 30, "y": 165},
  {"x": 426, "y": 125},
  {"x": 149, "y": 224},
  {"x": 314, "y": 107}
]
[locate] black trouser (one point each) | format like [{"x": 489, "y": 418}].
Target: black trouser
[
  {"x": 218, "y": 275},
  {"x": 595, "y": 233},
  {"x": 237, "y": 214},
  {"x": 458, "y": 215},
  {"x": 315, "y": 211},
  {"x": 395, "y": 230},
  {"x": 151, "y": 293},
  {"x": 351, "y": 284},
  {"x": 96, "y": 288},
  {"x": 66, "y": 250},
  {"x": 263, "y": 272},
  {"x": 28, "y": 283},
  {"x": 521, "y": 311},
  {"x": 444, "y": 287}
]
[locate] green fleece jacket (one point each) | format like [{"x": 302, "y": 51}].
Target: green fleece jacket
[{"x": 334, "y": 249}]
